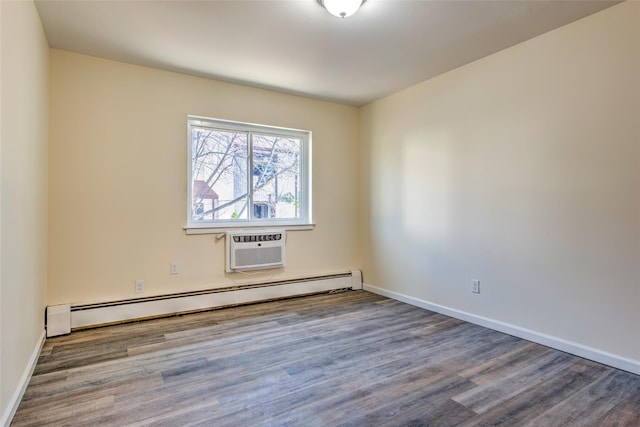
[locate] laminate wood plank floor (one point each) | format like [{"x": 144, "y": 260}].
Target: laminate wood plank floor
[{"x": 341, "y": 359}]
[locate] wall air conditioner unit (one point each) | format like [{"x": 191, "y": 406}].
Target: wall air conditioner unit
[{"x": 255, "y": 250}]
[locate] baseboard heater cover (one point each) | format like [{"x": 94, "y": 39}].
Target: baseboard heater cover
[
  {"x": 93, "y": 315},
  {"x": 58, "y": 318}
]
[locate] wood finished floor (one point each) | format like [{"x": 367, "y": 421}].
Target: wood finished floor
[{"x": 346, "y": 359}]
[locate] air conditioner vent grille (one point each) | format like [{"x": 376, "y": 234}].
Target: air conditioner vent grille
[{"x": 257, "y": 237}]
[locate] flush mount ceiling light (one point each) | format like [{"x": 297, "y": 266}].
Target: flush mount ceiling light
[{"x": 341, "y": 8}]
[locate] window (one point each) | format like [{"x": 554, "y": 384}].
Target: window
[{"x": 247, "y": 175}]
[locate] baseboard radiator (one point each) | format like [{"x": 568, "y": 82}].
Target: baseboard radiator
[{"x": 106, "y": 313}]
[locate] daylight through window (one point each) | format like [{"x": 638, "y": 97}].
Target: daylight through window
[{"x": 242, "y": 174}]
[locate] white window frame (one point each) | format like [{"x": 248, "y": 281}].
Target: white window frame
[{"x": 217, "y": 226}]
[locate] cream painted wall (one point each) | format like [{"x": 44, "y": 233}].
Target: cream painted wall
[
  {"x": 23, "y": 193},
  {"x": 117, "y": 180},
  {"x": 521, "y": 170}
]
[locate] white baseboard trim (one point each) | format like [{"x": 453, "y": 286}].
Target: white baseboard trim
[
  {"x": 12, "y": 407},
  {"x": 122, "y": 311},
  {"x": 586, "y": 352}
]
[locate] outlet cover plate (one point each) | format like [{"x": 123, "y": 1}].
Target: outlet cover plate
[{"x": 475, "y": 286}]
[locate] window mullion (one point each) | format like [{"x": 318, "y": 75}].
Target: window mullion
[{"x": 250, "y": 209}]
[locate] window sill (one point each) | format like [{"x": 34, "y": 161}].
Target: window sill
[{"x": 208, "y": 229}]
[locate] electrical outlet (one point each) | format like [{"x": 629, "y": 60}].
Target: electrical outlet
[
  {"x": 139, "y": 286},
  {"x": 173, "y": 268},
  {"x": 475, "y": 286}
]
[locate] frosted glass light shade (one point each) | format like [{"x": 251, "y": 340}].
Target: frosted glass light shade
[{"x": 342, "y": 8}]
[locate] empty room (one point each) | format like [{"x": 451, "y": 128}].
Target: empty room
[{"x": 320, "y": 213}]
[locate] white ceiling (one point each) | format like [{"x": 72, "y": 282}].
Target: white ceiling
[{"x": 295, "y": 46}]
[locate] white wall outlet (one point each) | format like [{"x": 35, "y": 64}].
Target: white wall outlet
[
  {"x": 173, "y": 268},
  {"x": 139, "y": 286},
  {"x": 475, "y": 286}
]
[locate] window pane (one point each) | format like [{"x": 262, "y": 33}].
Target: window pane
[
  {"x": 219, "y": 171},
  {"x": 276, "y": 176}
]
